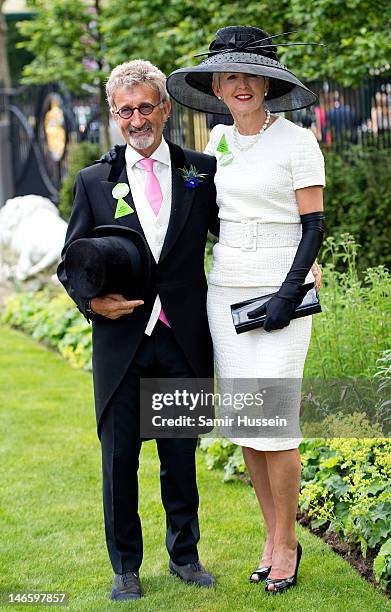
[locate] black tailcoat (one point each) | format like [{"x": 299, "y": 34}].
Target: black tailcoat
[{"x": 178, "y": 277}]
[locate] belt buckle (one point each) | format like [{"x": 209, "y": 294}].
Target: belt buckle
[{"x": 249, "y": 235}]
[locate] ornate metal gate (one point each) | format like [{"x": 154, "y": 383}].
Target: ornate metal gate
[{"x": 42, "y": 124}]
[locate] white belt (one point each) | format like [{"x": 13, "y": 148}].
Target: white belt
[{"x": 250, "y": 234}]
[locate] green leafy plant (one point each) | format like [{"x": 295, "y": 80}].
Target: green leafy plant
[
  {"x": 54, "y": 320},
  {"x": 357, "y": 201},
  {"x": 346, "y": 487},
  {"x": 382, "y": 565},
  {"x": 382, "y": 378},
  {"x": 341, "y": 425},
  {"x": 352, "y": 331},
  {"x": 223, "y": 454}
]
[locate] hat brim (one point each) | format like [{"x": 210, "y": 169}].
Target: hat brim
[
  {"x": 192, "y": 86},
  {"x": 95, "y": 266}
]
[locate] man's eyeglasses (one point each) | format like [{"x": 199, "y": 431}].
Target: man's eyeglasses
[{"x": 145, "y": 109}]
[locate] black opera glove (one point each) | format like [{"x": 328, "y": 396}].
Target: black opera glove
[
  {"x": 280, "y": 308},
  {"x": 110, "y": 156}
]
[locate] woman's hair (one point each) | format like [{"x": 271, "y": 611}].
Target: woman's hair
[
  {"x": 136, "y": 72},
  {"x": 216, "y": 78}
]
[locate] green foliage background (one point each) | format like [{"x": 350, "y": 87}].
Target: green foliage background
[
  {"x": 358, "y": 201},
  {"x": 65, "y": 34},
  {"x": 17, "y": 58}
]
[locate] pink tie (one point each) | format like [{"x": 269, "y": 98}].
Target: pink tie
[{"x": 155, "y": 198}]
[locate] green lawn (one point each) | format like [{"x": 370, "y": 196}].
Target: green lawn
[{"x": 52, "y": 535}]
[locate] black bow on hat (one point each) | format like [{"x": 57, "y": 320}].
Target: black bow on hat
[
  {"x": 240, "y": 38},
  {"x": 243, "y": 38}
]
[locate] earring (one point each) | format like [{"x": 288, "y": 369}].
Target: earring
[{"x": 266, "y": 93}]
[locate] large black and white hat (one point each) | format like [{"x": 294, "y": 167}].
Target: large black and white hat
[
  {"x": 115, "y": 259},
  {"x": 242, "y": 49}
]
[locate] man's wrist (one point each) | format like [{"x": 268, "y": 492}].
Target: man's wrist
[{"x": 88, "y": 308}]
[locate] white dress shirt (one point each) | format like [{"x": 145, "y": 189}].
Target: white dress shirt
[{"x": 154, "y": 226}]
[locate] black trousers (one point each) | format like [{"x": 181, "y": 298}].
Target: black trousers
[{"x": 159, "y": 355}]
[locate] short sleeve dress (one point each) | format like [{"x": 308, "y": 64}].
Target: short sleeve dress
[{"x": 260, "y": 230}]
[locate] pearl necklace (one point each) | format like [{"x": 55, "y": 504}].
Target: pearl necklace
[{"x": 255, "y": 138}]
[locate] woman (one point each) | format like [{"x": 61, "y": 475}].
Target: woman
[{"x": 269, "y": 181}]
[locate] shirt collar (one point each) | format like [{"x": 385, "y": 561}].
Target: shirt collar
[{"x": 161, "y": 154}]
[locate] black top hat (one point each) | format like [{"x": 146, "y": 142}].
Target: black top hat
[
  {"x": 115, "y": 259},
  {"x": 239, "y": 49}
]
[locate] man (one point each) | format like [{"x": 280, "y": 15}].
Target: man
[{"x": 166, "y": 335}]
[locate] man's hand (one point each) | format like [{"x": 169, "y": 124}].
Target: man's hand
[
  {"x": 317, "y": 273},
  {"x": 113, "y": 305},
  {"x": 110, "y": 156}
]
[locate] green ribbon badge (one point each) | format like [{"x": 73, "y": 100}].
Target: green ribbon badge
[
  {"x": 120, "y": 191},
  {"x": 226, "y": 156}
]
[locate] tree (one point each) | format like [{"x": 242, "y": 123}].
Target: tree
[
  {"x": 356, "y": 32},
  {"x": 79, "y": 41},
  {"x": 169, "y": 32},
  {"x": 67, "y": 40},
  {"x": 5, "y": 79}
]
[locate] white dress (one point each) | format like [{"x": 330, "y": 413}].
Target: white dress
[{"x": 260, "y": 230}]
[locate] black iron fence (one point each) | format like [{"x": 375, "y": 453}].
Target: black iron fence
[
  {"x": 42, "y": 122},
  {"x": 39, "y": 125},
  {"x": 360, "y": 115}
]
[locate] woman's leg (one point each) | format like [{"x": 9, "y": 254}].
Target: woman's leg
[
  {"x": 283, "y": 469},
  {"x": 257, "y": 468}
]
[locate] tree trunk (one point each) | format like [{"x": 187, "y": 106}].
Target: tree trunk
[
  {"x": 5, "y": 79},
  {"x": 104, "y": 111},
  {"x": 105, "y": 117}
]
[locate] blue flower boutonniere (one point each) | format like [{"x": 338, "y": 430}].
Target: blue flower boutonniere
[{"x": 192, "y": 177}]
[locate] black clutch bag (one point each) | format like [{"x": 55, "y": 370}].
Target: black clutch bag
[{"x": 309, "y": 305}]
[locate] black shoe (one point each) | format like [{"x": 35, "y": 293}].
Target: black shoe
[
  {"x": 283, "y": 584},
  {"x": 126, "y": 586},
  {"x": 261, "y": 572},
  {"x": 193, "y": 573}
]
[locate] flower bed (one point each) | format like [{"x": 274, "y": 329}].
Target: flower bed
[{"x": 52, "y": 318}]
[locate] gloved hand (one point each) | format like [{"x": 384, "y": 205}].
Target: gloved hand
[
  {"x": 110, "y": 156},
  {"x": 279, "y": 313},
  {"x": 280, "y": 308}
]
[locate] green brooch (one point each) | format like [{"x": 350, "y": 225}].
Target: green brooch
[
  {"x": 120, "y": 191},
  {"x": 226, "y": 156}
]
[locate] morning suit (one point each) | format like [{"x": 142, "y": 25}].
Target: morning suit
[{"x": 123, "y": 353}]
